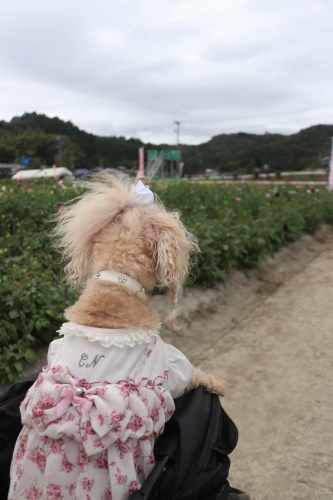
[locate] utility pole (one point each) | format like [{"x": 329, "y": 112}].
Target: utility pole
[
  {"x": 177, "y": 132},
  {"x": 177, "y": 139}
]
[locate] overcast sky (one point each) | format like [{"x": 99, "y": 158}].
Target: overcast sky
[{"x": 132, "y": 67}]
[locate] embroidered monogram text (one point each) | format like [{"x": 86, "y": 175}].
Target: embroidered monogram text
[{"x": 94, "y": 362}]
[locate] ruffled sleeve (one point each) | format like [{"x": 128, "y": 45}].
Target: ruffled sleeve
[
  {"x": 180, "y": 371},
  {"x": 53, "y": 349}
]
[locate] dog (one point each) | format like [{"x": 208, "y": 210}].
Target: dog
[{"x": 120, "y": 227}]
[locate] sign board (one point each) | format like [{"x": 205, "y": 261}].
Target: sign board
[
  {"x": 166, "y": 154},
  {"x": 26, "y": 161}
]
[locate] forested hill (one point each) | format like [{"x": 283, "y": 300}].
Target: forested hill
[
  {"x": 244, "y": 152},
  {"x": 51, "y": 139}
]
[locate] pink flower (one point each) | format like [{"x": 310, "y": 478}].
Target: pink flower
[
  {"x": 84, "y": 383},
  {"x": 66, "y": 466},
  {"x": 19, "y": 472},
  {"x": 98, "y": 443},
  {"x": 268, "y": 195},
  {"x": 116, "y": 428},
  {"x": 56, "y": 369},
  {"x": 41, "y": 461},
  {"x": 125, "y": 390},
  {"x": 155, "y": 414},
  {"x": 133, "y": 486},
  {"x": 151, "y": 458},
  {"x": 116, "y": 417},
  {"x": 22, "y": 448},
  {"x": 137, "y": 452},
  {"x": 34, "y": 494},
  {"x": 57, "y": 446},
  {"x": 238, "y": 199},
  {"x": 102, "y": 463},
  {"x": 25, "y": 403},
  {"x": 39, "y": 380},
  {"x": 135, "y": 424},
  {"x": 38, "y": 412},
  {"x": 123, "y": 448},
  {"x": 107, "y": 495},
  {"x": 34, "y": 454},
  {"x": 82, "y": 460},
  {"x": 89, "y": 430},
  {"x": 87, "y": 484},
  {"x": 47, "y": 402},
  {"x": 120, "y": 479},
  {"x": 100, "y": 419},
  {"x": 53, "y": 492},
  {"x": 62, "y": 208},
  {"x": 71, "y": 489},
  {"x": 70, "y": 417},
  {"x": 56, "y": 421}
]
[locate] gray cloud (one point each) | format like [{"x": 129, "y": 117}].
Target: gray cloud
[{"x": 131, "y": 68}]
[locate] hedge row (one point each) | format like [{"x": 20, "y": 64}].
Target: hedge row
[{"x": 235, "y": 225}]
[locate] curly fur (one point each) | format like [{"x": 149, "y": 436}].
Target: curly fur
[
  {"x": 210, "y": 382},
  {"x": 102, "y": 230}
]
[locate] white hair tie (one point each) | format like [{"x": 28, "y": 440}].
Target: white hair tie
[{"x": 140, "y": 195}]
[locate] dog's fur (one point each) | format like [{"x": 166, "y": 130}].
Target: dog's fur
[{"x": 103, "y": 231}]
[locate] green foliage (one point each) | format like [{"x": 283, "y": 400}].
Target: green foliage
[
  {"x": 239, "y": 233},
  {"x": 239, "y": 152},
  {"x": 231, "y": 233},
  {"x": 33, "y": 292}
]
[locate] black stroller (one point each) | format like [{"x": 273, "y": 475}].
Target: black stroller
[{"x": 192, "y": 460}]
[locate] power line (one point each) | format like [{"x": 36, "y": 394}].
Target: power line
[
  {"x": 258, "y": 125},
  {"x": 258, "y": 116}
]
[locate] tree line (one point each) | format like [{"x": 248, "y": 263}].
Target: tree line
[{"x": 51, "y": 140}]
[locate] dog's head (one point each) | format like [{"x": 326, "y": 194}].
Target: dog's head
[{"x": 105, "y": 230}]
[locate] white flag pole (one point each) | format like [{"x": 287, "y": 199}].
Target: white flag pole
[{"x": 330, "y": 178}]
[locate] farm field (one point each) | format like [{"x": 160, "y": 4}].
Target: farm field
[{"x": 236, "y": 227}]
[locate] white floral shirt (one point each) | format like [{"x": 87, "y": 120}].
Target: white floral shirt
[{"x": 94, "y": 413}]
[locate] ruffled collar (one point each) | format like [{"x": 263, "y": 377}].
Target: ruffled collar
[{"x": 108, "y": 337}]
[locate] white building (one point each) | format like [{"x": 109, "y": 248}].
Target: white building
[{"x": 51, "y": 173}]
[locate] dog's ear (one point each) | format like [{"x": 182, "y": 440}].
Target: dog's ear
[{"x": 170, "y": 245}]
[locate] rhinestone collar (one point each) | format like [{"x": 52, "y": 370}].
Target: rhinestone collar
[{"x": 120, "y": 278}]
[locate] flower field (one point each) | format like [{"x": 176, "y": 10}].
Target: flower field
[{"x": 236, "y": 226}]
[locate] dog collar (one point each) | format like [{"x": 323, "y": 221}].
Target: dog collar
[{"x": 120, "y": 278}]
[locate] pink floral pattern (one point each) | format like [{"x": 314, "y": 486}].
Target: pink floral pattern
[{"x": 105, "y": 453}]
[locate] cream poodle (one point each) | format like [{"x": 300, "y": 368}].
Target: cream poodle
[{"x": 118, "y": 232}]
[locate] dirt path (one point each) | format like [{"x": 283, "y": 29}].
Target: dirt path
[
  {"x": 274, "y": 348},
  {"x": 271, "y": 338}
]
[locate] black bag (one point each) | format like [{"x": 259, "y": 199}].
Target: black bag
[
  {"x": 192, "y": 453},
  {"x": 10, "y": 426}
]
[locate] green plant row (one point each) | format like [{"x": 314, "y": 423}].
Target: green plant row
[{"x": 235, "y": 225}]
